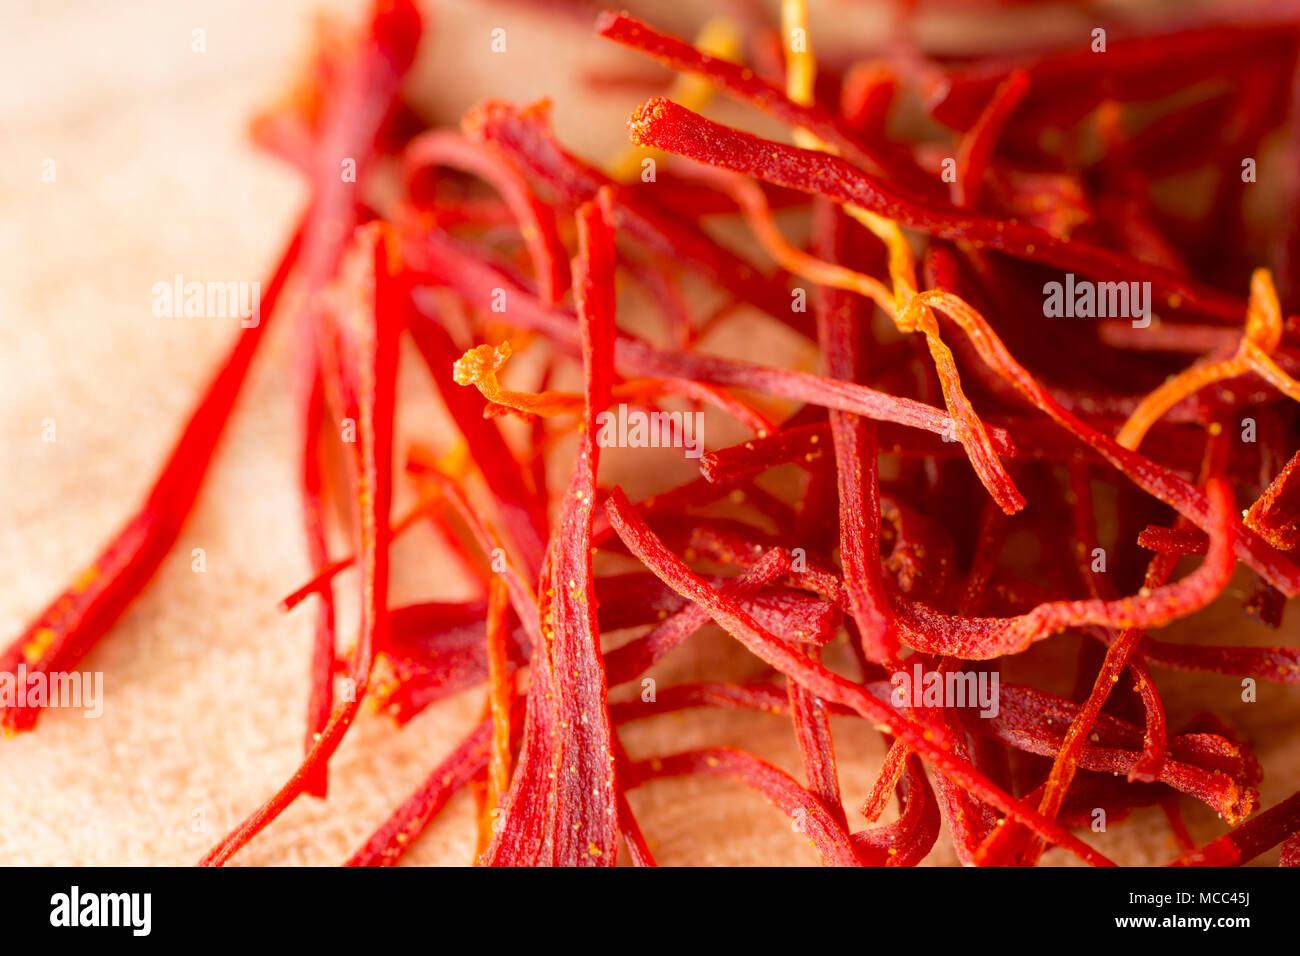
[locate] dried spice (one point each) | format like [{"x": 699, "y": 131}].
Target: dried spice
[{"x": 872, "y": 529}]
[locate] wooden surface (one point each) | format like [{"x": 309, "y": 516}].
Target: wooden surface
[{"x": 205, "y": 681}]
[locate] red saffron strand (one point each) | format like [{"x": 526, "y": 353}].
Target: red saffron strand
[
  {"x": 321, "y": 699},
  {"x": 1250, "y": 839},
  {"x": 386, "y": 845},
  {"x": 501, "y": 691},
  {"x": 62, "y": 634},
  {"x": 675, "y": 129},
  {"x": 375, "y": 327},
  {"x": 1276, "y": 514},
  {"x": 643, "y": 543},
  {"x": 448, "y": 263},
  {"x": 536, "y": 219},
  {"x": 808, "y": 814},
  {"x": 977, "y": 146},
  {"x": 562, "y": 806},
  {"x": 839, "y": 326}
]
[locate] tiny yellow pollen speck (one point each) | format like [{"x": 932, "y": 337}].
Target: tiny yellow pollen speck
[
  {"x": 41, "y": 641},
  {"x": 86, "y": 578}
]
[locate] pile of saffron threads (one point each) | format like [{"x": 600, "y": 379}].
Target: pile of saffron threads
[{"x": 955, "y": 423}]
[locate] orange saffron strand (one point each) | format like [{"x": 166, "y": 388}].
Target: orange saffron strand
[{"x": 1262, "y": 336}]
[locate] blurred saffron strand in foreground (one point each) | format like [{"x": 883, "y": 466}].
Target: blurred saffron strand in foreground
[{"x": 970, "y": 475}]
